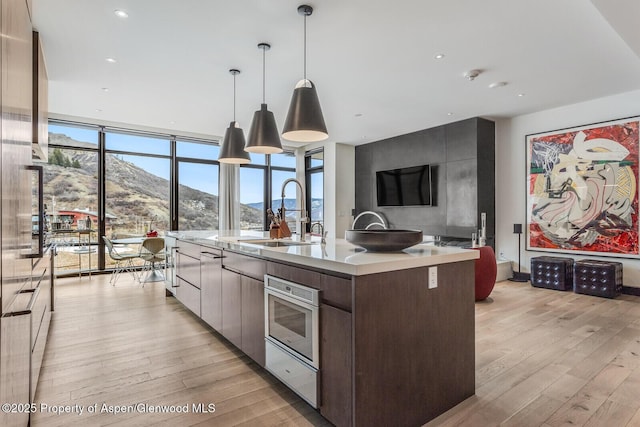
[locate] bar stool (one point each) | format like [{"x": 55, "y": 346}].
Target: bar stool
[{"x": 152, "y": 251}]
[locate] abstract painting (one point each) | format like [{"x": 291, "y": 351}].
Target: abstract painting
[{"x": 582, "y": 189}]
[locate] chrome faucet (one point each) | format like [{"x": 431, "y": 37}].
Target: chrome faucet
[
  {"x": 323, "y": 234},
  {"x": 302, "y": 229}
]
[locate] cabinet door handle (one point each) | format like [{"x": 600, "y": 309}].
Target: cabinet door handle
[
  {"x": 214, "y": 256},
  {"x": 29, "y": 307}
]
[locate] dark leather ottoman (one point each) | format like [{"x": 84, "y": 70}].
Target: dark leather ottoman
[
  {"x": 598, "y": 278},
  {"x": 552, "y": 273}
]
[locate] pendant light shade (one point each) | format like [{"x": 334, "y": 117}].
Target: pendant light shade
[
  {"x": 264, "y": 137},
  {"x": 232, "y": 150},
  {"x": 305, "y": 122}
]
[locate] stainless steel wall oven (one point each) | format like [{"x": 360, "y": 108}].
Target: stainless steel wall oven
[{"x": 291, "y": 335}]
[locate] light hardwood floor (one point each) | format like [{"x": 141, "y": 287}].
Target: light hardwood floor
[{"x": 543, "y": 358}]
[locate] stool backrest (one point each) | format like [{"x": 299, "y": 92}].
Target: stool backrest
[{"x": 152, "y": 245}]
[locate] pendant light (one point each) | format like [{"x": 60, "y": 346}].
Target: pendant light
[
  {"x": 263, "y": 135},
  {"x": 232, "y": 150},
  {"x": 304, "y": 122}
]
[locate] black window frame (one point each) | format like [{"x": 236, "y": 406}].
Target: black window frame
[
  {"x": 308, "y": 172},
  {"x": 103, "y": 130}
]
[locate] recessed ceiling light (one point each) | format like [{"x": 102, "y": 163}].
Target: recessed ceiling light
[
  {"x": 521, "y": 95},
  {"x": 111, "y": 60},
  {"x": 449, "y": 114},
  {"x": 105, "y": 89},
  {"x": 358, "y": 114},
  {"x": 439, "y": 56},
  {"x": 98, "y": 110},
  {"x": 497, "y": 84},
  {"x": 121, "y": 13}
]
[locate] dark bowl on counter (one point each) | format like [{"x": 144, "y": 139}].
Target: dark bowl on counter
[{"x": 384, "y": 240}]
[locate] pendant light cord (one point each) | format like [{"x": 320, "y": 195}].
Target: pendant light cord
[
  {"x": 234, "y": 97},
  {"x": 264, "y": 50},
  {"x": 305, "y": 48}
]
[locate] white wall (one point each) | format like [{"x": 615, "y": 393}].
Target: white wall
[
  {"x": 344, "y": 188},
  {"x": 511, "y": 169}
]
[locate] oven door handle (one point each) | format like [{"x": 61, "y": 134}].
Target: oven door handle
[{"x": 288, "y": 298}]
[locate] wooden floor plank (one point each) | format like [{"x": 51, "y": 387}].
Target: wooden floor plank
[{"x": 543, "y": 358}]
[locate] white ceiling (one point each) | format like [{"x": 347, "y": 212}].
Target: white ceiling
[{"x": 371, "y": 60}]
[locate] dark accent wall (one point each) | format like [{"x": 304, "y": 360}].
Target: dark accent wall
[{"x": 462, "y": 156}]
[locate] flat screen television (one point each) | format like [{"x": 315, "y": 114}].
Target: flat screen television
[{"x": 404, "y": 186}]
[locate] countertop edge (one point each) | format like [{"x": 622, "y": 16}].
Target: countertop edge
[{"x": 388, "y": 261}]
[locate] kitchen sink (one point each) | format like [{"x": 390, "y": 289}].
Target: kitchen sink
[{"x": 275, "y": 243}]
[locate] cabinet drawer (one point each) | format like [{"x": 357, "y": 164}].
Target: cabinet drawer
[
  {"x": 189, "y": 296},
  {"x": 188, "y": 268},
  {"x": 191, "y": 249},
  {"x": 300, "y": 377},
  {"x": 246, "y": 265},
  {"x": 336, "y": 291}
]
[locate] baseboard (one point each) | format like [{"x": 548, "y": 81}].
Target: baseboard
[{"x": 629, "y": 290}]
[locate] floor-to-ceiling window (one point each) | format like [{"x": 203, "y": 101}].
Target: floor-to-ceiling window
[
  {"x": 314, "y": 176},
  {"x": 260, "y": 188},
  {"x": 70, "y": 193},
  {"x": 148, "y": 182},
  {"x": 252, "y": 193},
  {"x": 138, "y": 177},
  {"x": 197, "y": 185},
  {"x": 283, "y": 167}
]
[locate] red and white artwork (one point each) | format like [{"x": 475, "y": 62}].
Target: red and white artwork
[{"x": 583, "y": 189}]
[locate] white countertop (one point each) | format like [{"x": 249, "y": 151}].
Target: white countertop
[{"x": 336, "y": 255}]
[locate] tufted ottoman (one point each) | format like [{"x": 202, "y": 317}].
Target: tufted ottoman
[
  {"x": 552, "y": 273},
  {"x": 598, "y": 278}
]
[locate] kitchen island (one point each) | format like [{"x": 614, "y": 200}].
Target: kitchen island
[{"x": 396, "y": 329}]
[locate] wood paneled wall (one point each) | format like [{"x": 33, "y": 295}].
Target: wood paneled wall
[{"x": 15, "y": 205}]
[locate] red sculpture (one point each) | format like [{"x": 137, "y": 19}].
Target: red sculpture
[{"x": 486, "y": 272}]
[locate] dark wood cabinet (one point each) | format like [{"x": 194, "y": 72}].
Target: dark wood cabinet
[
  {"x": 40, "y": 126},
  {"x": 40, "y": 315},
  {"x": 15, "y": 210},
  {"x": 188, "y": 263},
  {"x": 253, "y": 319},
  {"x": 187, "y": 289},
  {"x": 211, "y": 287},
  {"x": 380, "y": 333},
  {"x": 232, "y": 307},
  {"x": 336, "y": 365},
  {"x": 188, "y": 295}
]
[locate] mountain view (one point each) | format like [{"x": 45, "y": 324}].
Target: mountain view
[
  {"x": 134, "y": 196},
  {"x": 315, "y": 210}
]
